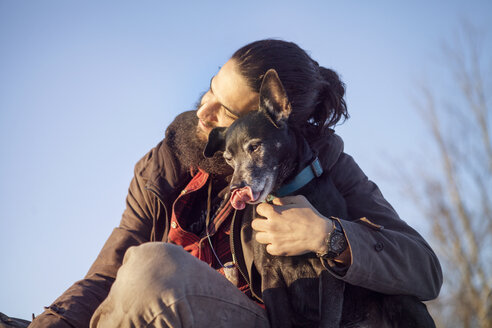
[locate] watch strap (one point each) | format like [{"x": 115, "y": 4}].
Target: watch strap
[{"x": 336, "y": 232}]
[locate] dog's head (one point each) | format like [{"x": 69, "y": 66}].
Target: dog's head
[{"x": 258, "y": 145}]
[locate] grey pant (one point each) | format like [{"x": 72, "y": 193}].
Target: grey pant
[{"x": 161, "y": 285}]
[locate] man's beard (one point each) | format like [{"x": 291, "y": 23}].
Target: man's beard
[{"x": 188, "y": 142}]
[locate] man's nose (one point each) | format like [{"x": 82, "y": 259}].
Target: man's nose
[{"x": 209, "y": 108}]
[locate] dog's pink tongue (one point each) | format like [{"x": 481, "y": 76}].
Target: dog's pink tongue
[{"x": 240, "y": 196}]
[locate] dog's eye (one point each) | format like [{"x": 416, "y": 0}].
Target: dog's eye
[
  {"x": 253, "y": 147},
  {"x": 227, "y": 157}
]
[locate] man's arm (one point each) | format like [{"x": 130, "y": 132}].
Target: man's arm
[
  {"x": 74, "y": 308},
  {"x": 387, "y": 255}
]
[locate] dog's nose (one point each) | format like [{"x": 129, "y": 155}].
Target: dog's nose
[{"x": 237, "y": 185}]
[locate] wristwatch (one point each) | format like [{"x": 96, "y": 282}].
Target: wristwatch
[{"x": 336, "y": 242}]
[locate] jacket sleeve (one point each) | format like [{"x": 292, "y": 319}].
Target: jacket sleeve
[
  {"x": 388, "y": 256},
  {"x": 74, "y": 308}
]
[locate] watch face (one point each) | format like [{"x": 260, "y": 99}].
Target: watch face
[{"x": 337, "y": 243}]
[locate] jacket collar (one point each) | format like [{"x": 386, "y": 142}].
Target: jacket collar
[
  {"x": 329, "y": 150},
  {"x": 163, "y": 173}
]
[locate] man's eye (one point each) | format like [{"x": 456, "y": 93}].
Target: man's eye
[{"x": 229, "y": 114}]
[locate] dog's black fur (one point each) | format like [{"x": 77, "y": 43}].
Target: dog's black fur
[{"x": 297, "y": 291}]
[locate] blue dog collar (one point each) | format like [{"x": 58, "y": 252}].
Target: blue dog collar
[{"x": 303, "y": 178}]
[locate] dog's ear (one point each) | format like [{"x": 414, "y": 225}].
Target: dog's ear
[
  {"x": 216, "y": 142},
  {"x": 273, "y": 98}
]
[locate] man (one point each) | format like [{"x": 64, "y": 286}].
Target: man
[{"x": 175, "y": 189}]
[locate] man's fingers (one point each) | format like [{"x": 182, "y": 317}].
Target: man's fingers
[
  {"x": 259, "y": 224},
  {"x": 272, "y": 250},
  {"x": 262, "y": 237},
  {"x": 264, "y": 209},
  {"x": 287, "y": 200}
]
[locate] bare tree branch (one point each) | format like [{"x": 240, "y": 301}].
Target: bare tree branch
[{"x": 457, "y": 198}]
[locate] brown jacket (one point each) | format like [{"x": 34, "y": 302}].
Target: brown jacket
[{"x": 388, "y": 256}]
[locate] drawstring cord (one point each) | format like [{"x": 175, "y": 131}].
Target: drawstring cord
[{"x": 207, "y": 221}]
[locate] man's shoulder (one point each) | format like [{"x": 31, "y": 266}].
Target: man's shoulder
[
  {"x": 329, "y": 150},
  {"x": 160, "y": 165}
]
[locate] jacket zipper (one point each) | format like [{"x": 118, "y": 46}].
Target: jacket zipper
[{"x": 233, "y": 252}]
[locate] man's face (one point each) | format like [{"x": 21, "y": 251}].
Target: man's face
[{"x": 228, "y": 98}]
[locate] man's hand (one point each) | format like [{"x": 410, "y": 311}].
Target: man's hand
[{"x": 292, "y": 226}]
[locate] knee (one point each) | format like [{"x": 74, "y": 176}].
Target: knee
[
  {"x": 152, "y": 252},
  {"x": 155, "y": 261},
  {"x": 152, "y": 269}
]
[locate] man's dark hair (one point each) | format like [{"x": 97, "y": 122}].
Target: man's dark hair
[{"x": 316, "y": 93}]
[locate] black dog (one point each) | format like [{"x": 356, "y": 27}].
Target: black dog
[{"x": 297, "y": 290}]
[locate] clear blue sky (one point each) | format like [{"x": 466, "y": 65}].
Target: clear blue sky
[{"x": 88, "y": 87}]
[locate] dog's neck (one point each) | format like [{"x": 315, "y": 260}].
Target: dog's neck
[{"x": 295, "y": 162}]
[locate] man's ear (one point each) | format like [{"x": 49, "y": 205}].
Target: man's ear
[
  {"x": 273, "y": 98},
  {"x": 216, "y": 142}
]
